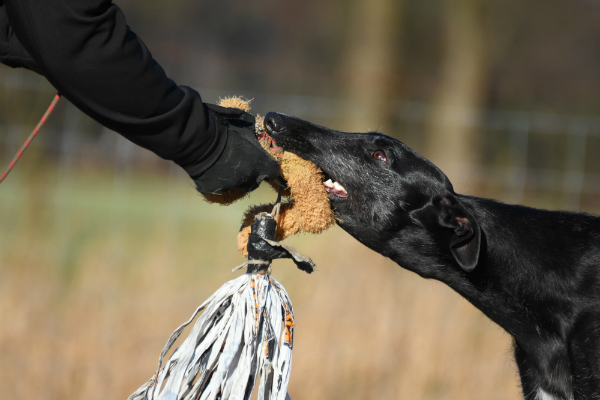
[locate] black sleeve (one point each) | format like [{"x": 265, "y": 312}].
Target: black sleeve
[
  {"x": 89, "y": 54},
  {"x": 12, "y": 52}
]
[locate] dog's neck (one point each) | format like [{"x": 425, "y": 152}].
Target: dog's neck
[{"x": 522, "y": 280}]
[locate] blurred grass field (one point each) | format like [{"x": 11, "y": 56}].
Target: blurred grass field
[{"x": 97, "y": 269}]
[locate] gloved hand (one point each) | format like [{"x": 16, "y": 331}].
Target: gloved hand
[{"x": 244, "y": 164}]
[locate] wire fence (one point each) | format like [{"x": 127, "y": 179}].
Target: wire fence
[
  {"x": 523, "y": 152},
  {"x": 566, "y": 167}
]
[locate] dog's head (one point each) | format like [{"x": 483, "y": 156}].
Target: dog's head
[{"x": 384, "y": 194}]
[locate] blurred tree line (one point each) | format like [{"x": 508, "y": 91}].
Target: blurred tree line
[
  {"x": 514, "y": 54},
  {"x": 459, "y": 56}
]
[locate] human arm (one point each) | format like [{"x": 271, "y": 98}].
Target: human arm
[{"x": 89, "y": 54}]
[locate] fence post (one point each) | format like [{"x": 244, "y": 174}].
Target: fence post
[
  {"x": 575, "y": 164},
  {"x": 518, "y": 147}
]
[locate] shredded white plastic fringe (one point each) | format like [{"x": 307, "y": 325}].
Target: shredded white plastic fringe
[{"x": 246, "y": 330}]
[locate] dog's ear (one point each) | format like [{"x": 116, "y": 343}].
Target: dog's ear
[{"x": 466, "y": 240}]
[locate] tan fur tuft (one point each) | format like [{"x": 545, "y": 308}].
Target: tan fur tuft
[
  {"x": 235, "y": 102},
  {"x": 227, "y": 198}
]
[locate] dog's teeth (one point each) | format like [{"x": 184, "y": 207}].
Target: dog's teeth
[
  {"x": 335, "y": 188},
  {"x": 338, "y": 186}
]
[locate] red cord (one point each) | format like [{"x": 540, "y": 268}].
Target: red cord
[{"x": 12, "y": 163}]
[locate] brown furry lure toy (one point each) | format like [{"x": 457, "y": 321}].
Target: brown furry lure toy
[
  {"x": 246, "y": 328},
  {"x": 307, "y": 208}
]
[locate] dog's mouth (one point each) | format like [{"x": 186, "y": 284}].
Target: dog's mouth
[{"x": 335, "y": 189}]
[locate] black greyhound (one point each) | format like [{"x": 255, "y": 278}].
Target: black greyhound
[{"x": 534, "y": 272}]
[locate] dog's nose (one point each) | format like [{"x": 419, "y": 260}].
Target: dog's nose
[{"x": 273, "y": 123}]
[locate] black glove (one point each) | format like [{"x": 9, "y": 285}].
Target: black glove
[
  {"x": 244, "y": 164},
  {"x": 12, "y": 52}
]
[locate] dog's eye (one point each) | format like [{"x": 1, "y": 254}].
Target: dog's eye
[{"x": 379, "y": 154}]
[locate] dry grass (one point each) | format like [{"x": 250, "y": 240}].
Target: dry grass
[{"x": 96, "y": 272}]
